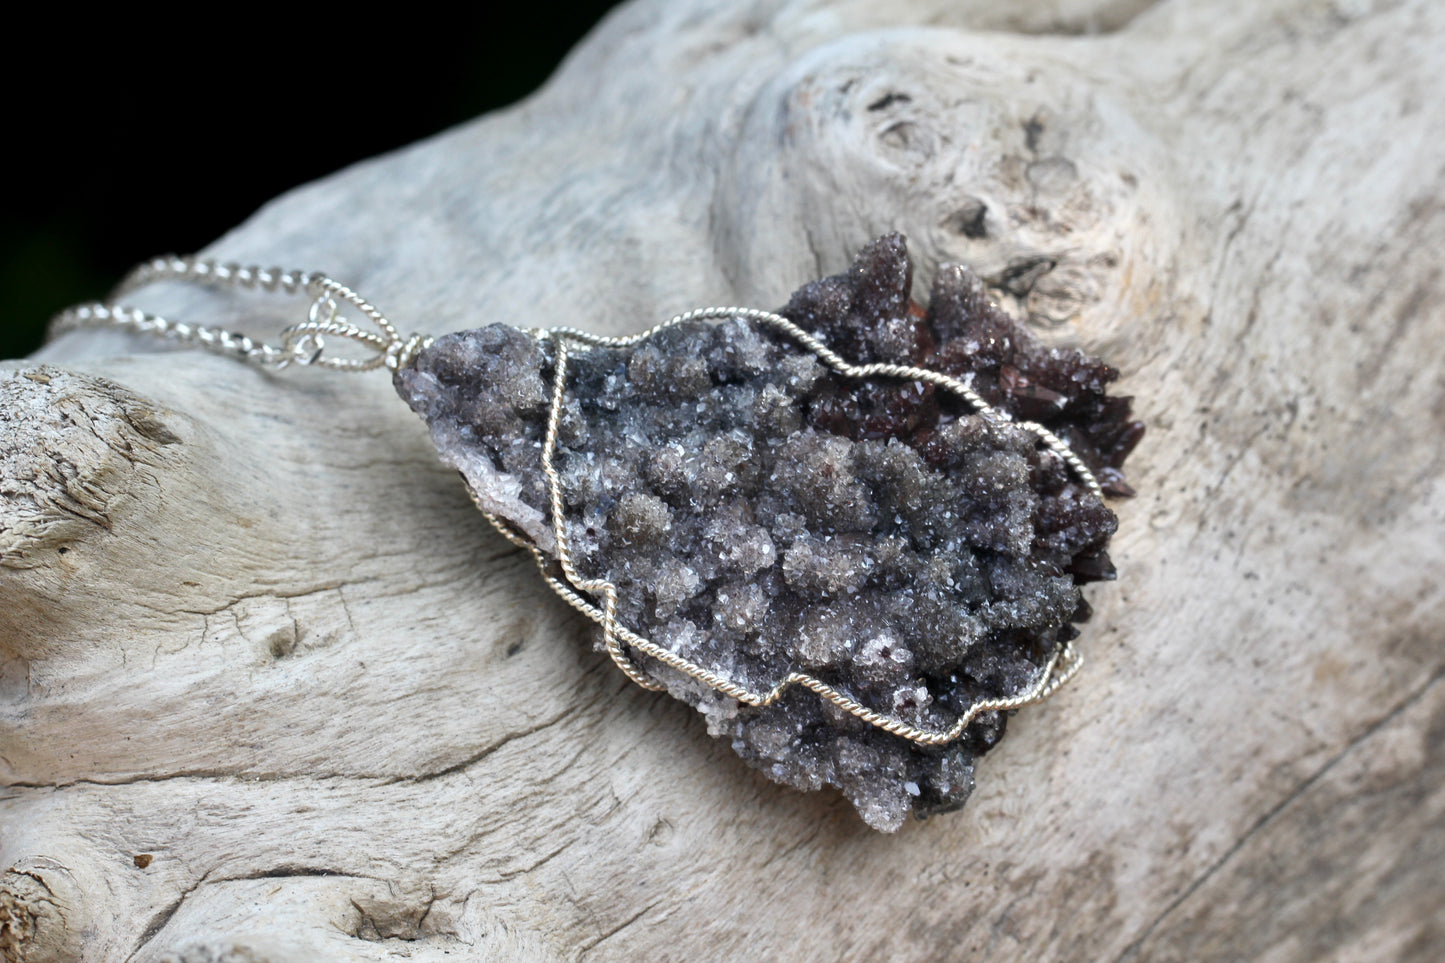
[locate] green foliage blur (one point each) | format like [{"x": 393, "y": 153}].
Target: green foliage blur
[{"x": 130, "y": 143}]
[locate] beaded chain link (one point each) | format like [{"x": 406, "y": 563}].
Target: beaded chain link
[{"x": 302, "y": 343}]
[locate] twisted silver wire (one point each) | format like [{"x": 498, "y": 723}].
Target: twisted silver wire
[
  {"x": 1059, "y": 668},
  {"x": 304, "y": 344},
  {"x": 843, "y": 367}
]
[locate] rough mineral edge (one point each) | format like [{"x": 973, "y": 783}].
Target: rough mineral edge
[{"x": 761, "y": 514}]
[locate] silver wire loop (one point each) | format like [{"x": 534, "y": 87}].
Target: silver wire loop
[{"x": 302, "y": 344}]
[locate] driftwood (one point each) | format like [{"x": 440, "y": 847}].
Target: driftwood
[{"x": 271, "y": 688}]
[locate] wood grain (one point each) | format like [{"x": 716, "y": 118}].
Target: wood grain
[{"x": 249, "y": 628}]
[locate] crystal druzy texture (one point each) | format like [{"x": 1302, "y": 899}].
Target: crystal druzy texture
[{"x": 760, "y": 513}]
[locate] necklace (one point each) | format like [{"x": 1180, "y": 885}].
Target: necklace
[{"x": 850, "y": 533}]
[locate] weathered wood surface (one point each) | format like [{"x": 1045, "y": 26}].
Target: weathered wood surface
[{"x": 252, "y": 631}]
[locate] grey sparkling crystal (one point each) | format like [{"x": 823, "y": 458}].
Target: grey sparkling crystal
[{"x": 760, "y": 513}]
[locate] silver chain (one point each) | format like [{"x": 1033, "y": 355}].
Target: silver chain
[{"x": 303, "y": 343}]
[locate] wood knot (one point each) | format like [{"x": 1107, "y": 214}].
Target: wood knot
[{"x": 36, "y": 921}]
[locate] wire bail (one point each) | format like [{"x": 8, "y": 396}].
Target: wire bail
[{"x": 305, "y": 343}]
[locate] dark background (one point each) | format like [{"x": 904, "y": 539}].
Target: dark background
[{"x": 128, "y": 139}]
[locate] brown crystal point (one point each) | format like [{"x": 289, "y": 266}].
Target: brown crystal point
[{"x": 760, "y": 513}]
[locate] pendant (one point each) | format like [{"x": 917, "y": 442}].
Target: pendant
[{"x": 850, "y": 534}]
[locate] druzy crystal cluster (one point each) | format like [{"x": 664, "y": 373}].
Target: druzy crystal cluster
[{"x": 760, "y": 513}]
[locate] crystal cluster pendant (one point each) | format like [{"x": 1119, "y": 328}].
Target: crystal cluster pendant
[{"x": 846, "y": 574}]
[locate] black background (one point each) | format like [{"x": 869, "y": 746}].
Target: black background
[{"x": 130, "y": 138}]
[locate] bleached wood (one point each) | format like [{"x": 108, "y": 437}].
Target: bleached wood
[{"x": 249, "y": 628}]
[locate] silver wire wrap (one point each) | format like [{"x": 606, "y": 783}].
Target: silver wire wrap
[
  {"x": 1060, "y": 667},
  {"x": 304, "y": 344}
]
